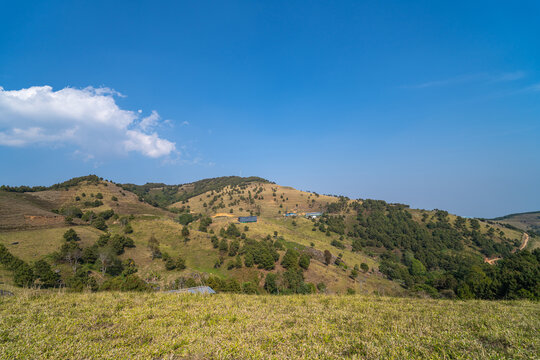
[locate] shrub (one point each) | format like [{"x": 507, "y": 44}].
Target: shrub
[
  {"x": 223, "y": 245},
  {"x": 304, "y": 261},
  {"x": 290, "y": 259},
  {"x": 185, "y": 218},
  {"x": 338, "y": 244},
  {"x": 215, "y": 241},
  {"x": 128, "y": 229},
  {"x": 99, "y": 223},
  {"x": 364, "y": 267},
  {"x": 270, "y": 283},
  {"x": 71, "y": 235}
]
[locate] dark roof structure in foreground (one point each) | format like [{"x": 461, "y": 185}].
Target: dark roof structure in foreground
[{"x": 194, "y": 290}]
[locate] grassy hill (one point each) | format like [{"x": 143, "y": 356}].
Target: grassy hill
[
  {"x": 523, "y": 221},
  {"x": 181, "y": 235},
  {"x": 229, "y": 326}
]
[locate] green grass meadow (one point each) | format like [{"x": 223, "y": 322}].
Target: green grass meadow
[{"x": 228, "y": 326}]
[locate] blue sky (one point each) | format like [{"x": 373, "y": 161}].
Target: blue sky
[{"x": 433, "y": 104}]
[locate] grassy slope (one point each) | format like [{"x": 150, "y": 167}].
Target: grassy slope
[
  {"x": 293, "y": 200},
  {"x": 169, "y": 326},
  {"x": 24, "y": 211},
  {"x": 525, "y": 221}
]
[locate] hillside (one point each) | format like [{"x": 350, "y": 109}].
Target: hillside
[
  {"x": 523, "y": 221},
  {"x": 365, "y": 246}
]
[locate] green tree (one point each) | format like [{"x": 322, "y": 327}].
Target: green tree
[
  {"x": 185, "y": 218},
  {"x": 215, "y": 241},
  {"x": 128, "y": 229},
  {"x": 364, "y": 267},
  {"x": 270, "y": 283},
  {"x": 99, "y": 223},
  {"x": 47, "y": 278},
  {"x": 290, "y": 259},
  {"x": 153, "y": 246},
  {"x": 224, "y": 245},
  {"x": 185, "y": 231},
  {"x": 248, "y": 260},
  {"x": 304, "y": 261},
  {"x": 23, "y": 275},
  {"x": 234, "y": 247},
  {"x": 71, "y": 235},
  {"x": 180, "y": 263}
]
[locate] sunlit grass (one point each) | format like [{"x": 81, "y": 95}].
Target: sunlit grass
[{"x": 224, "y": 326}]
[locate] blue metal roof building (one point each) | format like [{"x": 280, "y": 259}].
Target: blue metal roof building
[{"x": 247, "y": 219}]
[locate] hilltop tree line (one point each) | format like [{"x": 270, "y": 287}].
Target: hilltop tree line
[
  {"x": 162, "y": 195},
  {"x": 90, "y": 179}
]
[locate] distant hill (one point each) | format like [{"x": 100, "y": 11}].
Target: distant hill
[
  {"x": 524, "y": 221},
  {"x": 90, "y": 233}
]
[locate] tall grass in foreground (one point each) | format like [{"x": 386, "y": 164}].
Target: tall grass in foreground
[{"x": 228, "y": 326}]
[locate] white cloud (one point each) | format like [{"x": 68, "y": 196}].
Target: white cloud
[
  {"x": 469, "y": 78},
  {"x": 87, "y": 118},
  {"x": 535, "y": 87},
  {"x": 150, "y": 122}
]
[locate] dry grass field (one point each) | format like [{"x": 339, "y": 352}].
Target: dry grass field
[{"x": 224, "y": 326}]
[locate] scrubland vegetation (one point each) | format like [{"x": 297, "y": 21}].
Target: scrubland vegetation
[{"x": 229, "y": 326}]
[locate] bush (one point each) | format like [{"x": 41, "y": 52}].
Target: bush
[
  {"x": 71, "y": 235},
  {"x": 180, "y": 263},
  {"x": 185, "y": 231},
  {"x": 43, "y": 272},
  {"x": 290, "y": 259},
  {"x": 364, "y": 267},
  {"x": 126, "y": 283},
  {"x": 270, "y": 283},
  {"x": 338, "y": 244},
  {"x": 204, "y": 223},
  {"x": 215, "y": 241},
  {"x": 232, "y": 231},
  {"x": 185, "y": 218},
  {"x": 248, "y": 260},
  {"x": 128, "y": 229},
  {"x": 107, "y": 214},
  {"x": 250, "y": 288},
  {"x": 223, "y": 245},
  {"x": 304, "y": 261},
  {"x": 99, "y": 223},
  {"x": 234, "y": 247},
  {"x": 23, "y": 275}
]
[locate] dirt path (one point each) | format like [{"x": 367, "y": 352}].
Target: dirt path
[
  {"x": 492, "y": 260},
  {"x": 525, "y": 241},
  {"x": 522, "y": 246}
]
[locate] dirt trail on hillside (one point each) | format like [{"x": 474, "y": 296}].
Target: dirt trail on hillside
[
  {"x": 521, "y": 247},
  {"x": 492, "y": 260},
  {"x": 525, "y": 241}
]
